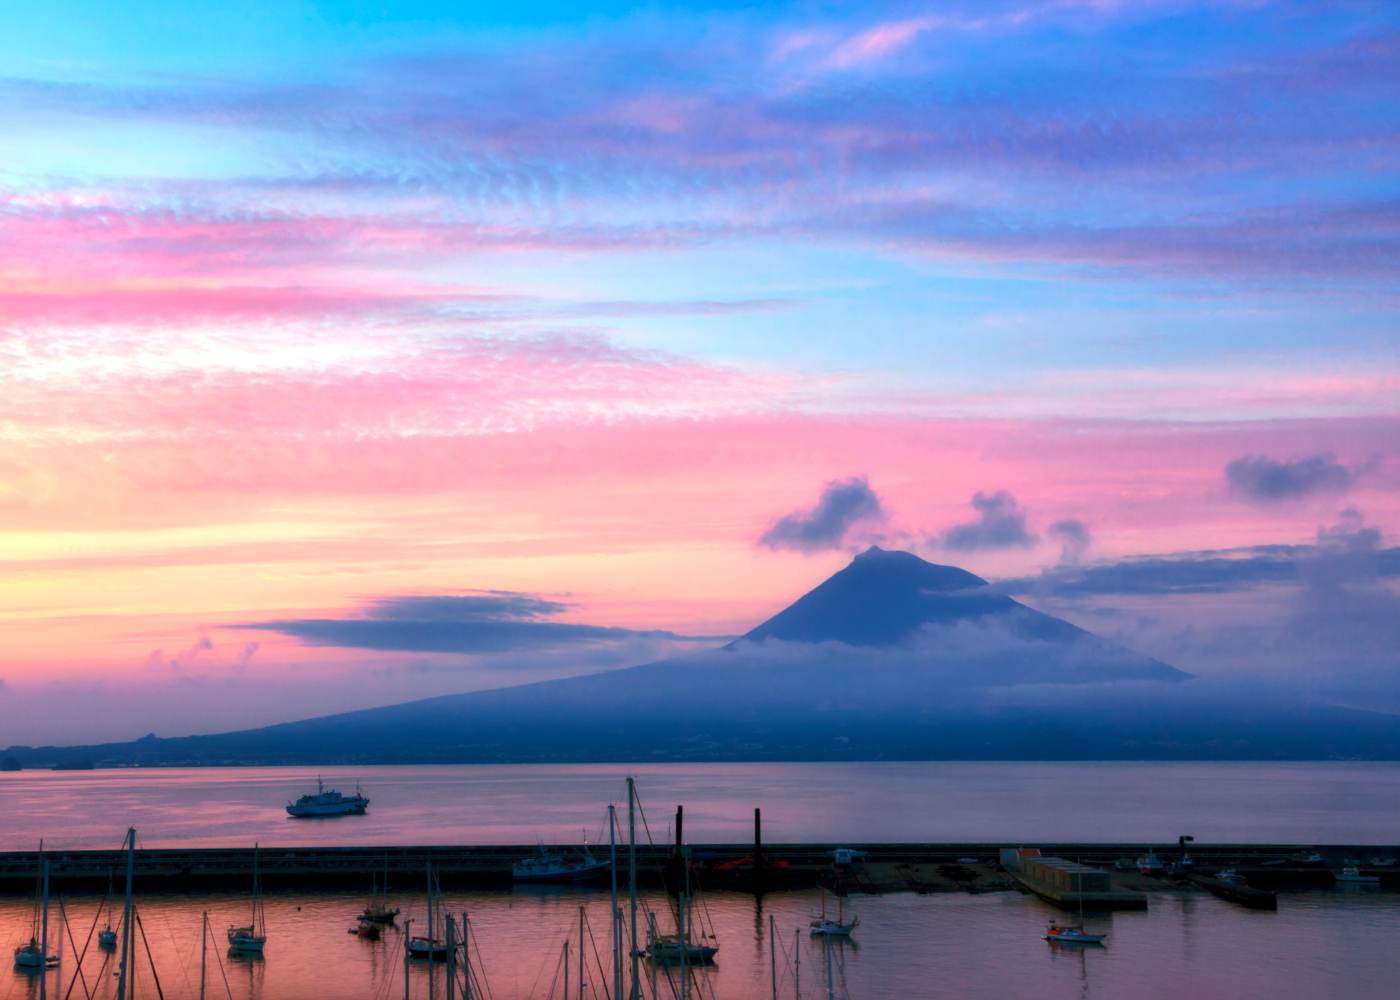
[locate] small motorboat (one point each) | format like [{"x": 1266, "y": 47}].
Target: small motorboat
[
  {"x": 1352, "y": 874},
  {"x": 1071, "y": 934},
  {"x": 1382, "y": 862}
]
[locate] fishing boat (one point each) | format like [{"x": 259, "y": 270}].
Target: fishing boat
[
  {"x": 554, "y": 866},
  {"x": 328, "y": 802},
  {"x": 249, "y": 939},
  {"x": 824, "y": 926},
  {"x": 427, "y": 946},
  {"x": 34, "y": 953}
]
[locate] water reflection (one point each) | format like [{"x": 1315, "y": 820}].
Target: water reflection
[{"x": 970, "y": 947}]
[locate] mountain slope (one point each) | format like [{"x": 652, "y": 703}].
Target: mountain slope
[{"x": 891, "y": 658}]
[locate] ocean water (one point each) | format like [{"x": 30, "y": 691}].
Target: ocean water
[
  {"x": 1294, "y": 803},
  {"x": 1322, "y": 944},
  {"x": 1334, "y": 943}
]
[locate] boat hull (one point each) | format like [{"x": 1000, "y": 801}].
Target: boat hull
[
  {"x": 674, "y": 954},
  {"x": 576, "y": 874},
  {"x": 429, "y": 951},
  {"x": 327, "y": 812}
]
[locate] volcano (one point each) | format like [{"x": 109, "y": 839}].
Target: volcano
[{"x": 891, "y": 658}]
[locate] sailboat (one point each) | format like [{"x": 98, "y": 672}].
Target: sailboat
[
  {"x": 1058, "y": 933},
  {"x": 107, "y": 937},
  {"x": 378, "y": 911},
  {"x": 427, "y": 946},
  {"x": 249, "y": 940},
  {"x": 826, "y": 927},
  {"x": 683, "y": 947},
  {"x": 34, "y": 954}
]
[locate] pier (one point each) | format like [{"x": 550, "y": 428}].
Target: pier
[{"x": 748, "y": 867}]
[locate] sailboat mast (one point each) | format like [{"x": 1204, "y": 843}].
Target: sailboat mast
[
  {"x": 451, "y": 958},
  {"x": 773, "y": 953},
  {"x": 615, "y": 918},
  {"x": 127, "y": 940},
  {"x": 407, "y": 940},
  {"x": 44, "y": 933},
  {"x": 466, "y": 957},
  {"x": 830, "y": 983},
  {"x": 797, "y": 963},
  {"x": 632, "y": 883},
  {"x": 203, "y": 952},
  {"x": 580, "y": 953},
  {"x": 431, "y": 939}
]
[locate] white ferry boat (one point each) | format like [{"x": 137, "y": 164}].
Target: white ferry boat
[{"x": 328, "y": 802}]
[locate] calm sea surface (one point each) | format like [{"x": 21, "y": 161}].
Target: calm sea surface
[
  {"x": 1307, "y": 803},
  {"x": 1318, "y": 945},
  {"x": 1335, "y": 943}
]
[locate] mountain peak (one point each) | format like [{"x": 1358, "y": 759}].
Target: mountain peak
[{"x": 880, "y": 599}]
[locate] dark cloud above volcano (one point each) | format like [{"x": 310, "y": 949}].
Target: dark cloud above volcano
[{"x": 844, "y": 503}]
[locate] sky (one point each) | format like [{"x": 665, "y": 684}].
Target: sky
[{"x": 355, "y": 352}]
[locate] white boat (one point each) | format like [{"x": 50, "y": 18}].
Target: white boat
[
  {"x": 1352, "y": 874},
  {"x": 1382, "y": 862},
  {"x": 328, "y": 802},
  {"x": 250, "y": 939},
  {"x": 824, "y": 926},
  {"x": 1071, "y": 934},
  {"x": 33, "y": 953},
  {"x": 553, "y": 866}
]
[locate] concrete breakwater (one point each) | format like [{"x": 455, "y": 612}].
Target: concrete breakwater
[{"x": 876, "y": 867}]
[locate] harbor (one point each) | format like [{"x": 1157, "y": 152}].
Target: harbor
[{"x": 878, "y": 869}]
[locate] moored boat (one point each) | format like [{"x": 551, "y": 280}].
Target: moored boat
[
  {"x": 824, "y": 926},
  {"x": 250, "y": 938},
  {"x": 1353, "y": 875},
  {"x": 1071, "y": 934},
  {"x": 554, "y": 866}
]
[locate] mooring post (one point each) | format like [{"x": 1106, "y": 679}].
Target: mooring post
[{"x": 759, "y": 869}]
